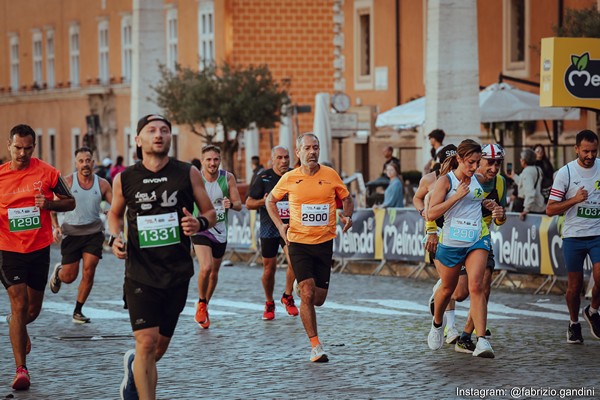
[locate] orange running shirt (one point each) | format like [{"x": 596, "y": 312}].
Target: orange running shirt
[
  {"x": 25, "y": 228},
  {"x": 312, "y": 203}
]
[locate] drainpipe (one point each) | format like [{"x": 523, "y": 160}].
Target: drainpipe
[{"x": 398, "y": 97}]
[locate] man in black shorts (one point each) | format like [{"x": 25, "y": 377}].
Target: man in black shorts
[
  {"x": 27, "y": 189},
  {"x": 270, "y": 240},
  {"x": 83, "y": 230},
  {"x": 159, "y": 193}
]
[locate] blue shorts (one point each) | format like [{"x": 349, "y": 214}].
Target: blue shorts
[
  {"x": 451, "y": 256},
  {"x": 575, "y": 249}
]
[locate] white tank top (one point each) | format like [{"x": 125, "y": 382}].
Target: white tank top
[
  {"x": 462, "y": 222},
  {"x": 85, "y": 218}
]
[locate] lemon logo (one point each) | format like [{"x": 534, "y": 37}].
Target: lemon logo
[
  {"x": 478, "y": 193},
  {"x": 597, "y": 185}
]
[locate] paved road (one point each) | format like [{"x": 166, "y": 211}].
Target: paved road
[{"x": 373, "y": 328}]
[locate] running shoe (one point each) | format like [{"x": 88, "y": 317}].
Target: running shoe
[
  {"x": 22, "y": 380},
  {"x": 432, "y": 298},
  {"x": 483, "y": 349},
  {"x": 28, "y": 340},
  {"x": 54, "y": 279},
  {"x": 574, "y": 334},
  {"x": 464, "y": 346},
  {"x": 593, "y": 320},
  {"x": 435, "y": 340},
  {"x": 269, "y": 313},
  {"x": 452, "y": 335},
  {"x": 127, "y": 389},
  {"x": 317, "y": 354},
  {"x": 290, "y": 306},
  {"x": 202, "y": 315},
  {"x": 79, "y": 318}
]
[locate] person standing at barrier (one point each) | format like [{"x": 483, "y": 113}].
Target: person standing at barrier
[
  {"x": 394, "y": 193},
  {"x": 270, "y": 240},
  {"x": 465, "y": 240},
  {"x": 576, "y": 193},
  {"x": 83, "y": 230},
  {"x": 210, "y": 245},
  {"x": 494, "y": 189},
  {"x": 159, "y": 193},
  {"x": 27, "y": 188},
  {"x": 312, "y": 189},
  {"x": 529, "y": 186}
]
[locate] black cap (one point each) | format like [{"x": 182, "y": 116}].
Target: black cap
[
  {"x": 445, "y": 152},
  {"x": 145, "y": 120}
]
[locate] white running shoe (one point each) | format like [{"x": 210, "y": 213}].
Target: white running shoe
[
  {"x": 452, "y": 335},
  {"x": 483, "y": 349},
  {"x": 432, "y": 298},
  {"x": 317, "y": 354},
  {"x": 435, "y": 339}
]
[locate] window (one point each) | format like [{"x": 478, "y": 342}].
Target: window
[
  {"x": 516, "y": 37},
  {"x": 206, "y": 33},
  {"x": 172, "y": 55},
  {"x": 39, "y": 143},
  {"x": 52, "y": 146},
  {"x": 75, "y": 140},
  {"x": 14, "y": 63},
  {"x": 50, "y": 59},
  {"x": 37, "y": 58},
  {"x": 74, "y": 55},
  {"x": 363, "y": 44},
  {"x": 103, "y": 72},
  {"x": 126, "y": 48},
  {"x": 173, "y": 151}
]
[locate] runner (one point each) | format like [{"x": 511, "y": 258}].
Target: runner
[
  {"x": 27, "y": 189},
  {"x": 159, "y": 193},
  {"x": 312, "y": 190},
  {"x": 576, "y": 193},
  {"x": 270, "y": 240},
  {"x": 83, "y": 230},
  {"x": 464, "y": 241},
  {"x": 210, "y": 245}
]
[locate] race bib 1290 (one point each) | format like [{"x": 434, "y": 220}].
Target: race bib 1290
[{"x": 24, "y": 219}]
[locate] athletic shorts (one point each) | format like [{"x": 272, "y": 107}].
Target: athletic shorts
[
  {"x": 575, "y": 249},
  {"x": 150, "y": 307},
  {"x": 73, "y": 247},
  {"x": 452, "y": 256},
  {"x": 491, "y": 264},
  {"x": 312, "y": 261},
  {"x": 29, "y": 268},
  {"x": 270, "y": 246},
  {"x": 218, "y": 249}
]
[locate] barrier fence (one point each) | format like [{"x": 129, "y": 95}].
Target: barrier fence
[{"x": 532, "y": 246}]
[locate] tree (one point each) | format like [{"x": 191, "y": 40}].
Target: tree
[{"x": 230, "y": 96}]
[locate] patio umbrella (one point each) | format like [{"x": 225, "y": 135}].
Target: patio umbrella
[
  {"x": 499, "y": 102},
  {"x": 321, "y": 125}
]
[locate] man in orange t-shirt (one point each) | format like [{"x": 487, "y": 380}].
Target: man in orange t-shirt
[
  {"x": 27, "y": 189},
  {"x": 312, "y": 190}
]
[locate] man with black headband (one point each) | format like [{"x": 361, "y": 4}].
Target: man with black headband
[
  {"x": 27, "y": 189},
  {"x": 159, "y": 193}
]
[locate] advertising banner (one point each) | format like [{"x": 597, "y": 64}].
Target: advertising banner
[
  {"x": 239, "y": 232},
  {"x": 359, "y": 241},
  {"x": 403, "y": 230}
]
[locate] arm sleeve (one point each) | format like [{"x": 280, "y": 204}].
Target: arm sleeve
[{"x": 559, "y": 186}]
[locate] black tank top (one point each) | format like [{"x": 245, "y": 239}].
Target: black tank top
[{"x": 158, "y": 254}]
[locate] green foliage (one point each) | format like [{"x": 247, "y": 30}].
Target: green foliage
[
  {"x": 580, "y": 23},
  {"x": 232, "y": 96}
]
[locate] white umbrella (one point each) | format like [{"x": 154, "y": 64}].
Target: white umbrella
[
  {"x": 499, "y": 102},
  {"x": 286, "y": 134},
  {"x": 321, "y": 125}
]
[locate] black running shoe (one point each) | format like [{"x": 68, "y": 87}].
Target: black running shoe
[
  {"x": 574, "y": 334},
  {"x": 464, "y": 346},
  {"x": 593, "y": 320},
  {"x": 79, "y": 318}
]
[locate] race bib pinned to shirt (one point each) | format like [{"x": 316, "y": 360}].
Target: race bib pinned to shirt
[
  {"x": 283, "y": 207},
  {"x": 464, "y": 230},
  {"x": 158, "y": 230},
  {"x": 24, "y": 219},
  {"x": 315, "y": 214}
]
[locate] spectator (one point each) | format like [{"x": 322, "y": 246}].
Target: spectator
[
  {"x": 103, "y": 170},
  {"x": 542, "y": 161},
  {"x": 117, "y": 168},
  {"x": 389, "y": 158},
  {"x": 257, "y": 168},
  {"x": 394, "y": 193},
  {"x": 436, "y": 139},
  {"x": 529, "y": 186}
]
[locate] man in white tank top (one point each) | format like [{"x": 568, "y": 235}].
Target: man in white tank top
[
  {"x": 82, "y": 230},
  {"x": 576, "y": 193}
]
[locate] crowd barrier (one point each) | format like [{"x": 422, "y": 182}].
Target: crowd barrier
[{"x": 532, "y": 246}]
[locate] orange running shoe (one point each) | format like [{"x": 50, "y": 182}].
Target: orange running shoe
[
  {"x": 269, "y": 313},
  {"x": 21, "y": 381},
  {"x": 202, "y": 315},
  {"x": 288, "y": 302}
]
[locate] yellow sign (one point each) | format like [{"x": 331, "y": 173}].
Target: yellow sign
[{"x": 570, "y": 73}]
